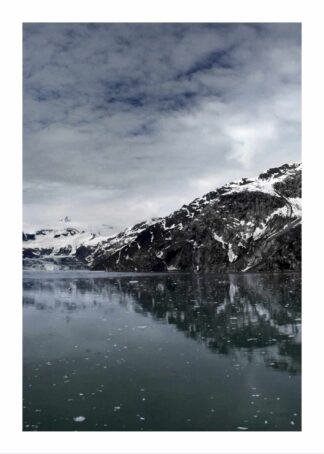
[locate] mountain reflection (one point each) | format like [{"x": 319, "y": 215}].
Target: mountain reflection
[{"x": 259, "y": 313}]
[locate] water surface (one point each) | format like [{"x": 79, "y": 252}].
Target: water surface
[{"x": 116, "y": 351}]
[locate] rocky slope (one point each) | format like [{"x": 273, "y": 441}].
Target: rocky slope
[{"x": 253, "y": 224}]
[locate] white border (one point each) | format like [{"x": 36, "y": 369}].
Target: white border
[{"x": 12, "y": 439}]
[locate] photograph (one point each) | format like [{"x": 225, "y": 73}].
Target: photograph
[{"x": 161, "y": 236}]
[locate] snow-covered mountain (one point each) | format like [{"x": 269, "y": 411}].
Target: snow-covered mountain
[
  {"x": 50, "y": 247},
  {"x": 250, "y": 224}
]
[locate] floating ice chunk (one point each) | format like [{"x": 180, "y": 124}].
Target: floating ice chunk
[
  {"x": 133, "y": 282},
  {"x": 79, "y": 419},
  {"x": 242, "y": 428},
  {"x": 117, "y": 407},
  {"x": 142, "y": 327}
]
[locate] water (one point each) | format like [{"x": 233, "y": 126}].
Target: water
[{"x": 115, "y": 351}]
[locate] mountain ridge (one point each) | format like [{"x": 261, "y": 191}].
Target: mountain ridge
[{"x": 252, "y": 224}]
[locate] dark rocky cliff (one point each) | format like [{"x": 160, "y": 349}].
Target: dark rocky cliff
[{"x": 252, "y": 224}]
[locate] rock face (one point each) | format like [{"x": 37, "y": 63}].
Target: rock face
[{"x": 247, "y": 225}]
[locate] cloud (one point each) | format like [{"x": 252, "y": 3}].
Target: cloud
[{"x": 128, "y": 121}]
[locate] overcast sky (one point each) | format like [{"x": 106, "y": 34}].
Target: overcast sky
[{"x": 123, "y": 122}]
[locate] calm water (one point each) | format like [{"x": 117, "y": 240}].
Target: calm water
[{"x": 112, "y": 351}]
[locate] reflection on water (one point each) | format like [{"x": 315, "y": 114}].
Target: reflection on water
[{"x": 161, "y": 352}]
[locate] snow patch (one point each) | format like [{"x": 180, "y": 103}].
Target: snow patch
[
  {"x": 172, "y": 268},
  {"x": 219, "y": 239},
  {"x": 258, "y": 184},
  {"x": 230, "y": 253}
]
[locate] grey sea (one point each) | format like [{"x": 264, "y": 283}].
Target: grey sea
[{"x": 161, "y": 352}]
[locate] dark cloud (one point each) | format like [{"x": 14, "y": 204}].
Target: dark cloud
[{"x": 128, "y": 121}]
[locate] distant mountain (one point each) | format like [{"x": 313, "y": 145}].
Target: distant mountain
[
  {"x": 57, "y": 247},
  {"x": 253, "y": 224}
]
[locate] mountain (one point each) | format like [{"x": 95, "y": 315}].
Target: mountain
[
  {"x": 57, "y": 247},
  {"x": 253, "y": 224}
]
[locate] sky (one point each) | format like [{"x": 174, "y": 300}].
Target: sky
[{"x": 124, "y": 122}]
